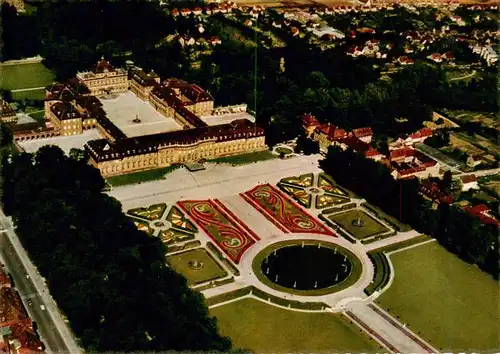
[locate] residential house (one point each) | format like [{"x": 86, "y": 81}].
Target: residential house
[
  {"x": 481, "y": 211},
  {"x": 309, "y": 124},
  {"x": 408, "y": 162},
  {"x": 431, "y": 191},
  {"x": 295, "y": 31},
  {"x": 469, "y": 182},
  {"x": 363, "y": 134}
]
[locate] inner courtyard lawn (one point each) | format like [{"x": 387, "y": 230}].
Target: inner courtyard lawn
[
  {"x": 24, "y": 76},
  {"x": 371, "y": 226},
  {"x": 451, "y": 304},
  {"x": 259, "y": 327},
  {"x": 210, "y": 271},
  {"x": 244, "y": 159}
]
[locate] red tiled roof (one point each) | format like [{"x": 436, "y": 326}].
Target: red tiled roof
[
  {"x": 363, "y": 132},
  {"x": 468, "y": 178},
  {"x": 432, "y": 191},
  {"x": 424, "y": 132},
  {"x": 478, "y": 211},
  {"x": 11, "y": 307},
  {"x": 309, "y": 120}
]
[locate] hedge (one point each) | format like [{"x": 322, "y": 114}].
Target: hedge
[
  {"x": 215, "y": 283},
  {"x": 187, "y": 245},
  {"x": 223, "y": 258},
  {"x": 382, "y": 272}
]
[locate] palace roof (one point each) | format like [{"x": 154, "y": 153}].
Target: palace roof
[
  {"x": 65, "y": 110},
  {"x": 102, "y": 150}
]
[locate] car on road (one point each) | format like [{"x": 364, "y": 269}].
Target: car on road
[{"x": 42, "y": 307}]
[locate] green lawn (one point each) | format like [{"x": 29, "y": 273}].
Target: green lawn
[
  {"x": 210, "y": 271},
  {"x": 259, "y": 327},
  {"x": 138, "y": 177},
  {"x": 371, "y": 226},
  {"x": 246, "y": 158},
  {"x": 453, "y": 305},
  {"x": 25, "y": 76},
  {"x": 28, "y": 95},
  {"x": 284, "y": 150}
]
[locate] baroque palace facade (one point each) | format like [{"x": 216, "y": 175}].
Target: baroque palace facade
[{"x": 74, "y": 106}]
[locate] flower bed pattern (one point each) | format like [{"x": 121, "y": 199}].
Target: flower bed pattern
[
  {"x": 153, "y": 212},
  {"x": 142, "y": 225},
  {"x": 235, "y": 218},
  {"x": 179, "y": 221},
  {"x": 328, "y": 200},
  {"x": 298, "y": 194},
  {"x": 228, "y": 235},
  {"x": 328, "y": 186},
  {"x": 303, "y": 181},
  {"x": 270, "y": 202}
]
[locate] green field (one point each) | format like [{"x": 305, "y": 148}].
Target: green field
[
  {"x": 25, "y": 76},
  {"x": 451, "y": 304},
  {"x": 246, "y": 158},
  {"x": 142, "y": 176},
  {"x": 28, "y": 95},
  {"x": 371, "y": 226},
  {"x": 259, "y": 327},
  {"x": 210, "y": 271}
]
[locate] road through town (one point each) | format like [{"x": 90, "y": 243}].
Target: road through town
[{"x": 54, "y": 333}]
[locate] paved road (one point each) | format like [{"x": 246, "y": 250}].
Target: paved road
[
  {"x": 54, "y": 332},
  {"x": 46, "y": 328}
]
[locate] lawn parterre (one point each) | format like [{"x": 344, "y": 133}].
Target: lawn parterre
[
  {"x": 270, "y": 202},
  {"x": 210, "y": 270},
  {"x": 24, "y": 76},
  {"x": 260, "y": 327},
  {"x": 153, "y": 212},
  {"x": 371, "y": 226},
  {"x": 300, "y": 195},
  {"x": 228, "y": 235},
  {"x": 451, "y": 304}
]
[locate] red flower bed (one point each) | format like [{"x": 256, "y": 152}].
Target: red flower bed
[
  {"x": 231, "y": 238},
  {"x": 229, "y": 213},
  {"x": 263, "y": 212},
  {"x": 284, "y": 211}
]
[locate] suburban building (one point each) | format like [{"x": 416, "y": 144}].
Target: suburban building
[
  {"x": 469, "y": 182},
  {"x": 329, "y": 135},
  {"x": 411, "y": 139},
  {"x": 16, "y": 328},
  {"x": 481, "y": 212},
  {"x": 408, "y": 162},
  {"x": 431, "y": 191},
  {"x": 153, "y": 124}
]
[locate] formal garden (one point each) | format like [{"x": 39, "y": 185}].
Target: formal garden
[
  {"x": 358, "y": 223},
  {"x": 260, "y": 327},
  {"x": 309, "y": 190},
  {"x": 227, "y": 233},
  {"x": 282, "y": 211},
  {"x": 449, "y": 303},
  {"x": 197, "y": 265}
]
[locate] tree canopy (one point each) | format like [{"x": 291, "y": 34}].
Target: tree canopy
[{"x": 109, "y": 278}]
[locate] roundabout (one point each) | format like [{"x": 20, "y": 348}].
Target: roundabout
[{"x": 307, "y": 267}]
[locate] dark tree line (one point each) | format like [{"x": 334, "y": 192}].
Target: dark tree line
[
  {"x": 110, "y": 279},
  {"x": 458, "y": 231}
]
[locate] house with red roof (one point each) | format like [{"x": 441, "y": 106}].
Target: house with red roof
[
  {"x": 197, "y": 11},
  {"x": 368, "y": 151},
  {"x": 481, "y": 212},
  {"x": 408, "y": 162},
  {"x": 435, "y": 57},
  {"x": 363, "y": 134},
  {"x": 469, "y": 182},
  {"x": 431, "y": 191},
  {"x": 309, "y": 124}
]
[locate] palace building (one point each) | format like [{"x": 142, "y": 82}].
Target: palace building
[
  {"x": 146, "y": 122},
  {"x": 7, "y": 114}
]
